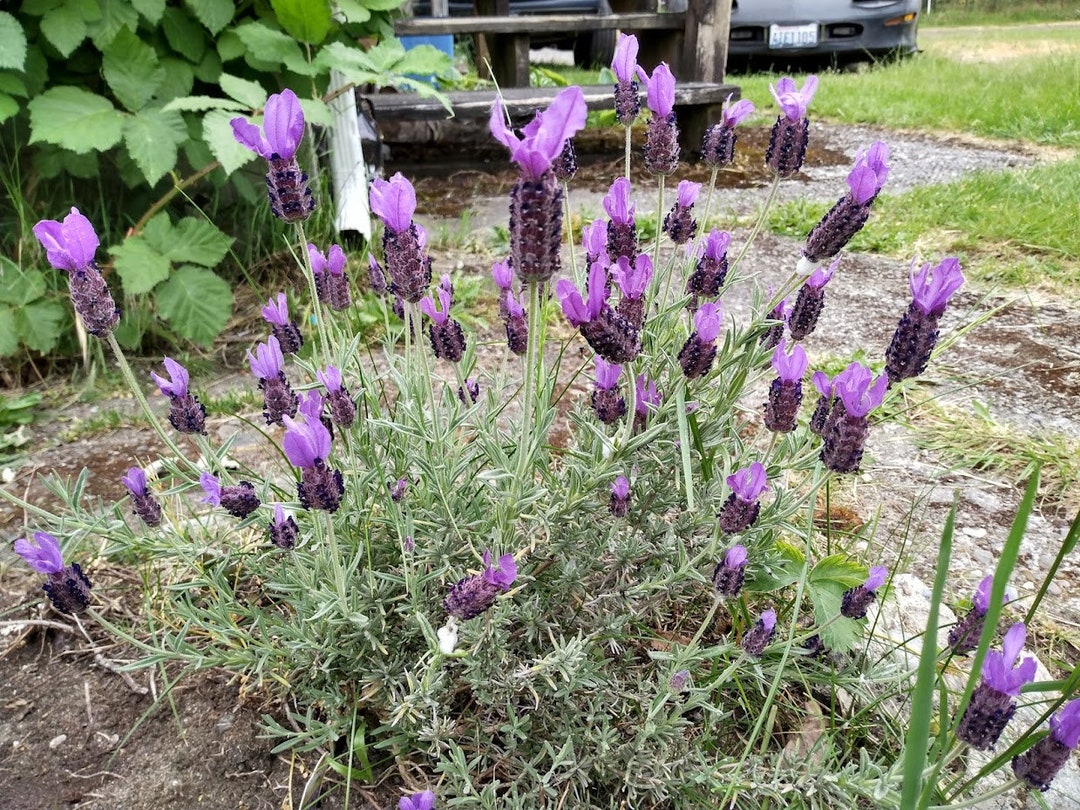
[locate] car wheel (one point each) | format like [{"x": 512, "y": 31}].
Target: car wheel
[{"x": 596, "y": 47}]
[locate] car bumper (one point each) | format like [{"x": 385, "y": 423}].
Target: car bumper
[{"x": 889, "y": 28}]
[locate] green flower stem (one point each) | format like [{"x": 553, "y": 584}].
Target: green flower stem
[
  {"x": 129, "y": 377},
  {"x": 316, "y": 304},
  {"x": 569, "y": 228},
  {"x": 981, "y": 799},
  {"x": 708, "y": 203},
  {"x": 684, "y": 442},
  {"x": 631, "y": 403},
  {"x": 335, "y": 559},
  {"x": 626, "y": 153},
  {"x": 656, "y": 246},
  {"x": 769, "y": 200},
  {"x": 527, "y": 408}
]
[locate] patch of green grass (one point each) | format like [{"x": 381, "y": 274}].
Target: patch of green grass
[
  {"x": 1017, "y": 228},
  {"x": 990, "y": 12}
]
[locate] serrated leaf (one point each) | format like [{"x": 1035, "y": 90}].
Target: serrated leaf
[
  {"x": 132, "y": 71},
  {"x": 13, "y": 85},
  {"x": 196, "y": 303},
  {"x": 266, "y": 44},
  {"x": 306, "y": 20},
  {"x": 218, "y": 135},
  {"x": 115, "y": 16},
  {"x": 75, "y": 119},
  {"x": 9, "y": 338},
  {"x": 179, "y": 79},
  {"x": 152, "y": 10},
  {"x": 826, "y": 583},
  {"x": 214, "y": 14},
  {"x": 203, "y": 103},
  {"x": 39, "y": 324},
  {"x": 184, "y": 35},
  {"x": 158, "y": 232},
  {"x": 8, "y": 107},
  {"x": 317, "y": 112},
  {"x": 19, "y": 287},
  {"x": 199, "y": 242},
  {"x": 781, "y": 568},
  {"x": 64, "y": 27},
  {"x": 139, "y": 265},
  {"x": 50, "y": 161},
  {"x": 246, "y": 92},
  {"x": 12, "y": 42},
  {"x": 839, "y": 569},
  {"x": 353, "y": 11},
  {"x": 36, "y": 8},
  {"x": 151, "y": 138},
  {"x": 380, "y": 5}
]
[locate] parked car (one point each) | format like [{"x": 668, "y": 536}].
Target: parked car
[{"x": 780, "y": 30}]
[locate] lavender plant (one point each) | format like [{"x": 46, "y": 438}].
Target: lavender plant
[{"x": 433, "y": 583}]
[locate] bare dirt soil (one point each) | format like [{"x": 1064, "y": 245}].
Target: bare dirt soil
[{"x": 76, "y": 732}]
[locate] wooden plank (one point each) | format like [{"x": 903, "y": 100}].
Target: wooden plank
[
  {"x": 707, "y": 24},
  {"x": 546, "y": 24}
]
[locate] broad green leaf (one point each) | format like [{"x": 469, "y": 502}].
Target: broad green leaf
[
  {"x": 353, "y": 11},
  {"x": 348, "y": 60},
  {"x": 13, "y": 84},
  {"x": 827, "y": 582},
  {"x": 64, "y": 27},
  {"x": 196, "y": 303},
  {"x": 158, "y": 233},
  {"x": 179, "y": 79},
  {"x": 9, "y": 338},
  {"x": 140, "y": 267},
  {"x": 214, "y": 14},
  {"x": 132, "y": 71},
  {"x": 246, "y": 92},
  {"x": 37, "y": 8},
  {"x": 152, "y": 10},
  {"x": 50, "y": 161},
  {"x": 230, "y": 46},
  {"x": 12, "y": 42},
  {"x": 39, "y": 324},
  {"x": 218, "y": 135},
  {"x": 151, "y": 138},
  {"x": 75, "y": 119},
  {"x": 266, "y": 44},
  {"x": 8, "y": 107},
  {"x": 839, "y": 569},
  {"x": 381, "y": 5},
  {"x": 423, "y": 60},
  {"x": 306, "y": 20},
  {"x": 316, "y": 112},
  {"x": 18, "y": 286},
  {"x": 115, "y": 16},
  {"x": 184, "y": 35},
  {"x": 198, "y": 241},
  {"x": 781, "y": 568},
  {"x": 203, "y": 103},
  {"x": 209, "y": 68}
]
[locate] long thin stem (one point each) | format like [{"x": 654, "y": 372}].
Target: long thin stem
[
  {"x": 760, "y": 222},
  {"x": 626, "y": 154},
  {"x": 316, "y": 304},
  {"x": 335, "y": 563},
  {"x": 684, "y": 443},
  {"x": 527, "y": 410},
  {"x": 708, "y": 201},
  {"x": 569, "y": 227}
]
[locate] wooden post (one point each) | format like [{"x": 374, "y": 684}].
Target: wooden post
[
  {"x": 708, "y": 23},
  {"x": 347, "y": 170}
]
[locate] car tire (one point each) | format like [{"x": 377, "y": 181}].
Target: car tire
[{"x": 596, "y": 47}]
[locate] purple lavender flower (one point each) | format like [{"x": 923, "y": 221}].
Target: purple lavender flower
[
  {"x": 785, "y": 392},
  {"x": 331, "y": 280},
  {"x": 143, "y": 502},
  {"x": 376, "y": 276},
  {"x": 186, "y": 413},
  {"x": 342, "y": 407},
  {"x": 503, "y": 275},
  {"x": 803, "y": 318},
  {"x": 619, "y": 504},
  {"x": 624, "y": 66},
  {"x": 607, "y": 403},
  {"x": 283, "y": 127},
  {"x": 992, "y": 705},
  {"x": 742, "y": 507},
  {"x": 718, "y": 145},
  {"x": 711, "y": 269},
  {"x": 622, "y": 237},
  {"x": 417, "y": 801},
  {"x": 594, "y": 241},
  {"x": 775, "y": 330},
  {"x": 239, "y": 499},
  {"x": 730, "y": 572},
  {"x": 824, "y": 404},
  {"x": 1040, "y": 764},
  {"x": 851, "y": 211},
  {"x": 610, "y": 334},
  {"x": 536, "y": 207},
  {"x": 757, "y": 638},
  {"x": 791, "y": 132},
  {"x": 648, "y": 399},
  {"x": 70, "y": 246},
  {"x": 917, "y": 333},
  {"x": 394, "y": 202},
  {"x": 856, "y": 600},
  {"x": 855, "y": 394},
  {"x": 276, "y": 313},
  {"x": 398, "y": 489},
  {"x": 307, "y": 445},
  {"x": 517, "y": 324},
  {"x": 632, "y": 280},
  {"x": 697, "y": 354},
  {"x": 66, "y": 585},
  {"x": 678, "y": 681},
  {"x": 279, "y": 400},
  {"x": 447, "y": 338},
  {"x": 965, "y": 634},
  {"x": 662, "y": 134},
  {"x": 282, "y": 530},
  {"x": 471, "y": 389},
  {"x": 473, "y": 595},
  {"x": 679, "y": 222},
  {"x": 565, "y": 165}
]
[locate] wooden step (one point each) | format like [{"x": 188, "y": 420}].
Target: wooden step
[{"x": 540, "y": 24}]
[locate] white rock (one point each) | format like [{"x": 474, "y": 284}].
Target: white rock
[{"x": 57, "y": 741}]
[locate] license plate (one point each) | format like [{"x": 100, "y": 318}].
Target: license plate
[{"x": 793, "y": 36}]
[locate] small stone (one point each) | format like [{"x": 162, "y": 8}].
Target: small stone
[
  {"x": 57, "y": 741},
  {"x": 972, "y": 531}
]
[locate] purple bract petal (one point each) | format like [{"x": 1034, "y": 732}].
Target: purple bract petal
[
  {"x": 277, "y": 312},
  {"x": 330, "y": 378},
  {"x": 177, "y": 384},
  {"x": 822, "y": 383},
  {"x": 735, "y": 557},
  {"x": 633, "y": 281},
  {"x": 878, "y": 575},
  {"x": 716, "y": 245},
  {"x": 212, "y": 487},
  {"x": 503, "y": 274},
  {"x": 504, "y": 575},
  {"x": 624, "y": 64},
  {"x": 544, "y": 137},
  {"x": 707, "y": 321},
  {"x": 823, "y": 275},
  {"x": 749, "y": 482},
  {"x": 733, "y": 114},
  {"x": 394, "y": 202},
  {"x": 789, "y": 367},
  {"x": 621, "y": 488},
  {"x": 305, "y": 442},
  {"x": 69, "y": 245},
  {"x": 267, "y": 362},
  {"x": 932, "y": 288},
  {"x": 607, "y": 374},
  {"x": 660, "y": 89},
  {"x": 687, "y": 193},
  {"x": 1065, "y": 725},
  {"x": 42, "y": 554},
  {"x": 858, "y": 391},
  {"x": 135, "y": 480},
  {"x": 768, "y": 619},
  {"x": 793, "y": 102},
  {"x": 617, "y": 203}
]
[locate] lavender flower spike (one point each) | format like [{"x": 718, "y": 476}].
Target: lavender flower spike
[
  {"x": 239, "y": 499},
  {"x": 282, "y": 530},
  {"x": 697, "y": 354},
  {"x": 622, "y": 239},
  {"x": 543, "y": 138},
  {"x": 331, "y": 280},
  {"x": 619, "y": 504},
  {"x": 70, "y": 246},
  {"x": 624, "y": 66},
  {"x": 279, "y": 400},
  {"x": 729, "y": 574},
  {"x": 758, "y": 637},
  {"x": 741, "y": 508},
  {"x": 965, "y": 634},
  {"x": 276, "y": 313},
  {"x": 307, "y": 445},
  {"x": 662, "y": 134},
  {"x": 143, "y": 502},
  {"x": 66, "y": 586},
  {"x": 473, "y": 595},
  {"x": 916, "y": 335},
  {"x": 790, "y": 133},
  {"x": 718, "y": 145},
  {"x": 607, "y": 402},
  {"x": 992, "y": 704},
  {"x": 803, "y": 318},
  {"x": 846, "y": 428},
  {"x": 445, "y": 333},
  {"x": 1040, "y": 764},
  {"x": 394, "y": 202},
  {"x": 186, "y": 413},
  {"x": 342, "y": 407},
  {"x": 283, "y": 127},
  {"x": 679, "y": 222},
  {"x": 418, "y": 801},
  {"x": 823, "y": 385},
  {"x": 785, "y": 392},
  {"x": 712, "y": 267},
  {"x": 857, "y": 600}
]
